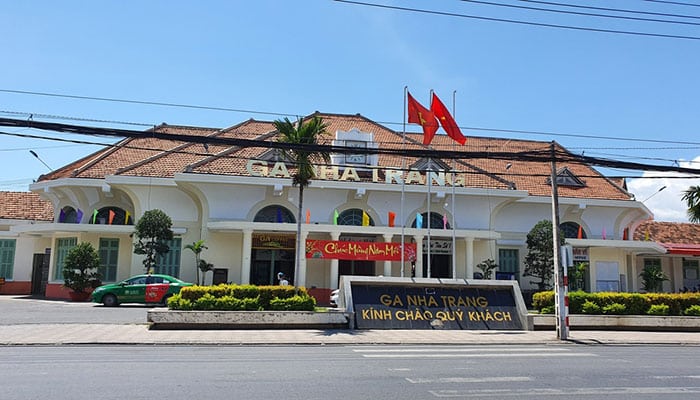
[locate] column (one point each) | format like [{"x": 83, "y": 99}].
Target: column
[
  {"x": 469, "y": 257},
  {"x": 302, "y": 259},
  {"x": 387, "y": 263},
  {"x": 333, "y": 278},
  {"x": 245, "y": 256},
  {"x": 419, "y": 256}
]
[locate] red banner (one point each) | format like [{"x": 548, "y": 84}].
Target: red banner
[{"x": 381, "y": 251}]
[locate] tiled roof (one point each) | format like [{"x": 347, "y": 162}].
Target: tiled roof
[
  {"x": 668, "y": 232},
  {"x": 161, "y": 158},
  {"x": 25, "y": 206}
]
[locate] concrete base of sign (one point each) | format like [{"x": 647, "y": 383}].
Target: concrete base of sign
[
  {"x": 170, "y": 319},
  {"x": 425, "y": 303},
  {"x": 619, "y": 322}
]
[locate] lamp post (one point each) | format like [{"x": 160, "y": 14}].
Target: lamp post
[
  {"x": 38, "y": 158},
  {"x": 655, "y": 193}
]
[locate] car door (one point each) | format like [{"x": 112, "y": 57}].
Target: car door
[
  {"x": 156, "y": 289},
  {"x": 134, "y": 290}
]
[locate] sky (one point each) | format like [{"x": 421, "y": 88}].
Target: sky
[{"x": 628, "y": 97}]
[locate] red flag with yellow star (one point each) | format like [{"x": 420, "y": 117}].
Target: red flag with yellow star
[
  {"x": 448, "y": 123},
  {"x": 417, "y": 114}
]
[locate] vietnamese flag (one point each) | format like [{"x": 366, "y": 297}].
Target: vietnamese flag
[
  {"x": 417, "y": 114},
  {"x": 448, "y": 123},
  {"x": 392, "y": 218}
]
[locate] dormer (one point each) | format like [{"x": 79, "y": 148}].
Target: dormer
[
  {"x": 425, "y": 164},
  {"x": 567, "y": 178},
  {"x": 355, "y": 138}
]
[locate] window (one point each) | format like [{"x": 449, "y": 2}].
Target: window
[
  {"x": 275, "y": 213},
  {"x": 111, "y": 216},
  {"x": 356, "y": 158},
  {"x": 509, "y": 262},
  {"x": 691, "y": 275},
  {"x": 437, "y": 221},
  {"x": 109, "y": 256},
  {"x": 570, "y": 230},
  {"x": 7, "y": 258},
  {"x": 69, "y": 215},
  {"x": 63, "y": 246},
  {"x": 169, "y": 263},
  {"x": 353, "y": 217}
]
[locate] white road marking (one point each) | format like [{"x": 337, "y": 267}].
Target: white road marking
[
  {"x": 461, "y": 379},
  {"x": 572, "y": 392}
]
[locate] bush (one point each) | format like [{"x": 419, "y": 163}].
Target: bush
[
  {"x": 615, "y": 309},
  {"x": 658, "y": 309},
  {"x": 634, "y": 303},
  {"x": 590, "y": 307},
  {"x": 547, "y": 310},
  {"x": 242, "y": 298},
  {"x": 692, "y": 311}
]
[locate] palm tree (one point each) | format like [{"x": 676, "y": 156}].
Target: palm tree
[
  {"x": 302, "y": 135},
  {"x": 692, "y": 198},
  {"x": 197, "y": 248}
]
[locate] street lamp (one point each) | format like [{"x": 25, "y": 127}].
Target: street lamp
[
  {"x": 42, "y": 161},
  {"x": 655, "y": 193}
]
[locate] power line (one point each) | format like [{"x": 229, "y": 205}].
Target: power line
[
  {"x": 30, "y": 115},
  {"x": 678, "y": 3},
  {"x": 513, "y": 21},
  {"x": 542, "y": 155},
  {"x": 150, "y": 103},
  {"x": 584, "y": 14},
  {"x": 551, "y": 3}
]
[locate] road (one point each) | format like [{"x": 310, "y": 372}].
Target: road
[
  {"x": 28, "y": 310},
  {"x": 350, "y": 372}
]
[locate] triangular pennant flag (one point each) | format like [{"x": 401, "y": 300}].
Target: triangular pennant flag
[
  {"x": 604, "y": 235},
  {"x": 94, "y": 216},
  {"x": 444, "y": 222},
  {"x": 61, "y": 216},
  {"x": 365, "y": 219},
  {"x": 79, "y": 217},
  {"x": 419, "y": 221},
  {"x": 126, "y": 218},
  {"x": 580, "y": 233},
  {"x": 392, "y": 218},
  {"x": 279, "y": 215},
  {"x": 111, "y": 216},
  {"x": 335, "y": 217},
  {"x": 625, "y": 234},
  {"x": 308, "y": 216},
  {"x": 646, "y": 235}
]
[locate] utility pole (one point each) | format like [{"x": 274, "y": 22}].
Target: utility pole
[{"x": 560, "y": 308}]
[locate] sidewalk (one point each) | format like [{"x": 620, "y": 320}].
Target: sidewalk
[{"x": 139, "y": 334}]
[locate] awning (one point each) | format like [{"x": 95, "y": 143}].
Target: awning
[
  {"x": 683, "y": 249},
  {"x": 632, "y": 246}
]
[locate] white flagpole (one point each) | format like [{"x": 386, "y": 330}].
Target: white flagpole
[
  {"x": 454, "y": 220},
  {"x": 403, "y": 182},
  {"x": 429, "y": 182}
]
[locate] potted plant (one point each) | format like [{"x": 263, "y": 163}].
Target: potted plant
[{"x": 80, "y": 271}]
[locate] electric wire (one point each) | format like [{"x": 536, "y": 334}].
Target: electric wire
[
  {"x": 519, "y": 22},
  {"x": 621, "y": 10}
]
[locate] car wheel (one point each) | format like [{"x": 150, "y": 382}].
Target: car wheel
[
  {"x": 110, "y": 300},
  {"x": 164, "y": 301}
]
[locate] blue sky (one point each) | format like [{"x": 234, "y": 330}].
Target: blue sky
[{"x": 296, "y": 57}]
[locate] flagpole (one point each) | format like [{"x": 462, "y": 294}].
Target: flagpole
[
  {"x": 429, "y": 182},
  {"x": 454, "y": 221},
  {"x": 403, "y": 182}
]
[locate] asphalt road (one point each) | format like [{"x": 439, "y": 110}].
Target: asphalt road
[
  {"x": 351, "y": 372},
  {"x": 28, "y": 310}
]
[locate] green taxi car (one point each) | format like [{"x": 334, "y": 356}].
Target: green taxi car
[{"x": 146, "y": 289}]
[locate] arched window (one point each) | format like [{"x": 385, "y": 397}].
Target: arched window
[
  {"x": 275, "y": 213},
  {"x": 111, "y": 216},
  {"x": 68, "y": 215},
  {"x": 437, "y": 221},
  {"x": 570, "y": 230},
  {"x": 353, "y": 216}
]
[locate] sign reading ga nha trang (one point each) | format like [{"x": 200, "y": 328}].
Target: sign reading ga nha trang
[{"x": 434, "y": 307}]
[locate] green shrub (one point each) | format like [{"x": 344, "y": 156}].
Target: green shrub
[
  {"x": 541, "y": 300},
  {"x": 590, "y": 307},
  {"x": 615, "y": 309},
  {"x": 693, "y": 310},
  {"x": 547, "y": 310},
  {"x": 242, "y": 298},
  {"x": 297, "y": 303},
  {"x": 206, "y": 302},
  {"x": 658, "y": 309}
]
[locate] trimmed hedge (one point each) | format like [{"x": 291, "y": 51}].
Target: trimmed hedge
[
  {"x": 633, "y": 303},
  {"x": 242, "y": 298}
]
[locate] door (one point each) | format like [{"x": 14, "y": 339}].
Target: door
[{"x": 40, "y": 274}]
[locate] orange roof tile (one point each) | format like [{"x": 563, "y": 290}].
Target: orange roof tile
[
  {"x": 25, "y": 206},
  {"x": 668, "y": 232}
]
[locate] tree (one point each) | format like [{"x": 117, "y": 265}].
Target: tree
[
  {"x": 487, "y": 267},
  {"x": 692, "y": 199},
  {"x": 197, "y": 248},
  {"x": 302, "y": 135},
  {"x": 80, "y": 268},
  {"x": 653, "y": 278},
  {"x": 152, "y": 232},
  {"x": 539, "y": 261},
  {"x": 205, "y": 267}
]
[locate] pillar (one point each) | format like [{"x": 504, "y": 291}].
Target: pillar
[
  {"x": 469, "y": 257},
  {"x": 333, "y": 276},
  {"x": 245, "y": 256},
  {"x": 419, "y": 256},
  {"x": 387, "y": 263},
  {"x": 302, "y": 260}
]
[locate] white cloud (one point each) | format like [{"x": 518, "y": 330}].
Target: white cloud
[{"x": 666, "y": 205}]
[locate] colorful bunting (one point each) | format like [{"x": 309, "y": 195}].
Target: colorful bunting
[
  {"x": 580, "y": 233},
  {"x": 365, "y": 218},
  {"x": 335, "y": 217},
  {"x": 419, "y": 221},
  {"x": 126, "y": 218},
  {"x": 308, "y": 216},
  {"x": 444, "y": 222},
  {"x": 79, "y": 217},
  {"x": 111, "y": 216},
  {"x": 94, "y": 216}
]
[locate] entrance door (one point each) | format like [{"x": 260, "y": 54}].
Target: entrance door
[
  {"x": 40, "y": 274},
  {"x": 440, "y": 265},
  {"x": 267, "y": 263},
  {"x": 355, "y": 267}
]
